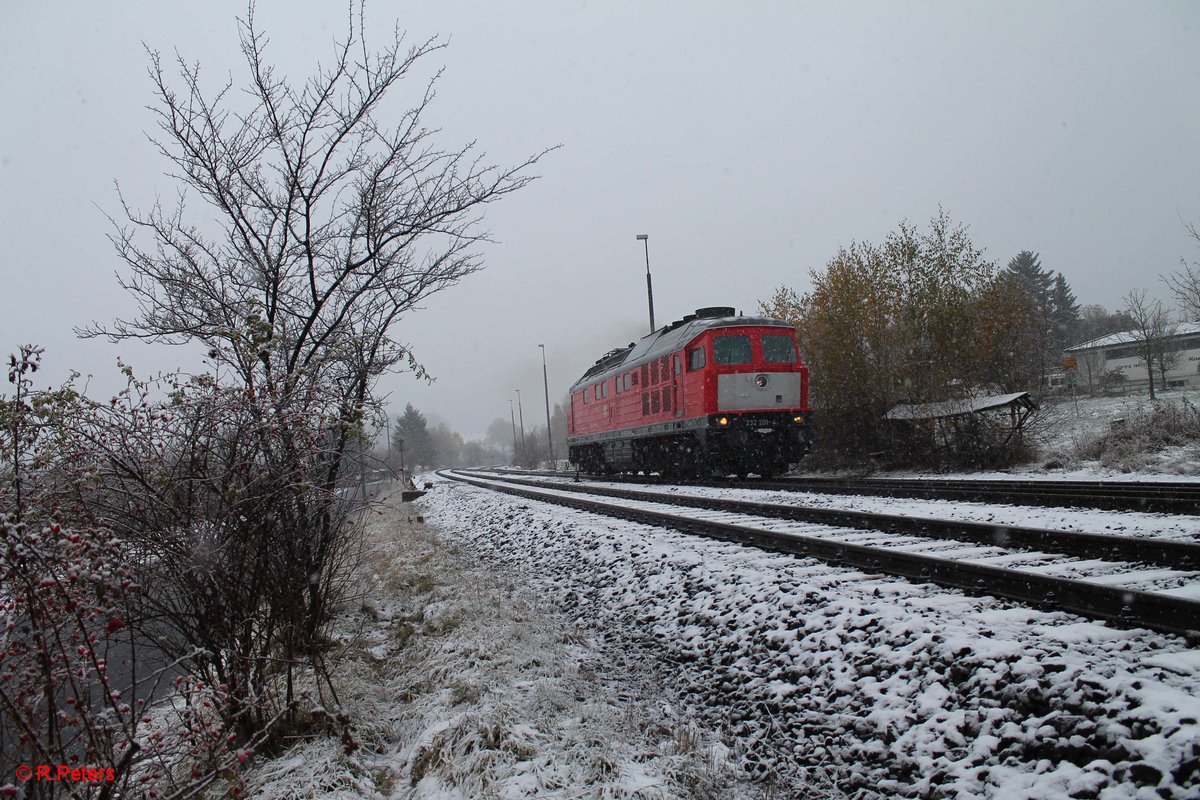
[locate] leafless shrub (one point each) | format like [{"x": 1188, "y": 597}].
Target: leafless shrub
[
  {"x": 79, "y": 675},
  {"x": 239, "y": 533}
]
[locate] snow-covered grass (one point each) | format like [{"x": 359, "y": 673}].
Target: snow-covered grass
[
  {"x": 462, "y": 683},
  {"x": 1126, "y": 435}
]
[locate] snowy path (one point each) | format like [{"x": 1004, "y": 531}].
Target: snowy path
[{"x": 461, "y": 685}]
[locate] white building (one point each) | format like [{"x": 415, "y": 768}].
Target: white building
[{"x": 1100, "y": 361}]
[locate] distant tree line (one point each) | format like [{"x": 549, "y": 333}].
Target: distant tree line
[
  {"x": 414, "y": 444},
  {"x": 924, "y": 317}
]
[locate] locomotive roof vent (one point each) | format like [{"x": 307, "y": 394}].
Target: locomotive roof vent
[
  {"x": 713, "y": 312},
  {"x": 680, "y": 322}
]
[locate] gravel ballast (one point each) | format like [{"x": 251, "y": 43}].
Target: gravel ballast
[{"x": 817, "y": 673}]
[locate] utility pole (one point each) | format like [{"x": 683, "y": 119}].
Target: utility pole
[
  {"x": 644, "y": 238},
  {"x": 546, "y": 386},
  {"x": 513, "y": 416},
  {"x": 521, "y": 416}
]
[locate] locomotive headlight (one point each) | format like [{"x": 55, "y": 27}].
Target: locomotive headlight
[
  {"x": 761, "y": 381},
  {"x": 797, "y": 419},
  {"x": 723, "y": 420}
]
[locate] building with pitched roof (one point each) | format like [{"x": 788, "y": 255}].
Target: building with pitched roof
[{"x": 1114, "y": 360}]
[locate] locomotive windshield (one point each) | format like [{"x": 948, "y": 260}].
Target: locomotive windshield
[
  {"x": 778, "y": 349},
  {"x": 731, "y": 349}
]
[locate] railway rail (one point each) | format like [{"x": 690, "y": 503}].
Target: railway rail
[
  {"x": 1005, "y": 561},
  {"x": 1169, "y": 497}
]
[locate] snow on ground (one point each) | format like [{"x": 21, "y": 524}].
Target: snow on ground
[
  {"x": 463, "y": 684},
  {"x": 511, "y": 649},
  {"x": 1066, "y": 427},
  {"x": 813, "y": 673}
]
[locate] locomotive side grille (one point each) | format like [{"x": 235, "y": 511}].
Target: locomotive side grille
[
  {"x": 666, "y": 398},
  {"x": 645, "y": 403}
]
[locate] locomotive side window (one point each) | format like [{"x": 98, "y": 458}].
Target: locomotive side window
[
  {"x": 731, "y": 349},
  {"x": 695, "y": 359},
  {"x": 778, "y": 349},
  {"x": 678, "y": 366},
  {"x": 604, "y": 389},
  {"x": 627, "y": 381}
]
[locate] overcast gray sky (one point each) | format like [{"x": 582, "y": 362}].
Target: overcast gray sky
[{"x": 749, "y": 140}]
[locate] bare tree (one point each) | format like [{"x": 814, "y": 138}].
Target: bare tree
[
  {"x": 333, "y": 224},
  {"x": 1151, "y": 327},
  {"x": 1185, "y": 284},
  {"x": 330, "y": 225}
]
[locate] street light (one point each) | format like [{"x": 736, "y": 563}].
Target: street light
[
  {"x": 512, "y": 415},
  {"x": 645, "y": 240},
  {"x": 521, "y": 416},
  {"x": 546, "y": 386}
]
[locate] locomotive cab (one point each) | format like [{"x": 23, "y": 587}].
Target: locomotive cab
[{"x": 756, "y": 398}]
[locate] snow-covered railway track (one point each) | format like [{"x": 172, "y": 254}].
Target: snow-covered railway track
[
  {"x": 1150, "y": 582},
  {"x": 1171, "y": 497}
]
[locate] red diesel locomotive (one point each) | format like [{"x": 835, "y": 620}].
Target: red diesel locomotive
[{"x": 710, "y": 393}]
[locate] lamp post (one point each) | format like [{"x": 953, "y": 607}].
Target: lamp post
[
  {"x": 645, "y": 240},
  {"x": 513, "y": 416},
  {"x": 521, "y": 416},
  {"x": 546, "y": 386}
]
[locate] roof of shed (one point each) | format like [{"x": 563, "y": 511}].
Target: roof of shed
[{"x": 956, "y": 408}]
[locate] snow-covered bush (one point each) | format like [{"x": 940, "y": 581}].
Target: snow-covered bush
[
  {"x": 66, "y": 651},
  {"x": 190, "y": 536},
  {"x": 233, "y": 504},
  {"x": 1132, "y": 441}
]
